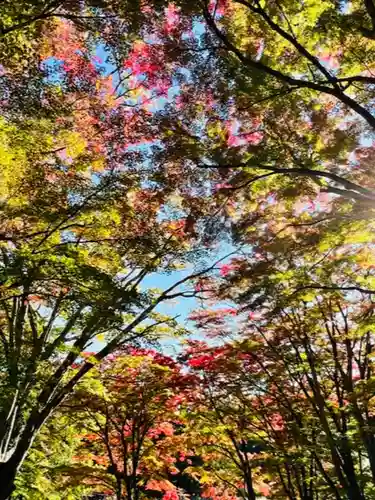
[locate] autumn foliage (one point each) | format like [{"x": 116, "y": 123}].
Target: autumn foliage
[{"x": 187, "y": 249}]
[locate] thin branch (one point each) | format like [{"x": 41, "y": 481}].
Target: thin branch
[
  {"x": 353, "y": 190},
  {"x": 353, "y": 288},
  {"x": 291, "y": 39}
]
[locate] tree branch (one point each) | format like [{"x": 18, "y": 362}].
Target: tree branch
[
  {"x": 353, "y": 190},
  {"x": 291, "y": 39},
  {"x": 353, "y": 288},
  {"x": 293, "y": 82}
]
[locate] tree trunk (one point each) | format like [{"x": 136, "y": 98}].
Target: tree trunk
[
  {"x": 353, "y": 490},
  {"x": 10, "y": 468},
  {"x": 8, "y": 471},
  {"x": 249, "y": 485}
]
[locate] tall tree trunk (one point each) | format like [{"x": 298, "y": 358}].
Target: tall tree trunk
[
  {"x": 354, "y": 492},
  {"x": 249, "y": 484},
  {"x": 8, "y": 472},
  {"x": 10, "y": 468}
]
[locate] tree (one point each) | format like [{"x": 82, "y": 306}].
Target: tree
[
  {"x": 42, "y": 473},
  {"x": 266, "y": 133},
  {"x": 308, "y": 42},
  {"x": 131, "y": 410},
  {"x": 231, "y": 447},
  {"x": 49, "y": 319},
  {"x": 80, "y": 229},
  {"x": 293, "y": 396}
]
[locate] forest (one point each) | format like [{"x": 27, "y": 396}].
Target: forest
[{"x": 187, "y": 249}]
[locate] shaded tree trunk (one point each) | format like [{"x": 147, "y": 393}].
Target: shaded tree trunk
[
  {"x": 7, "y": 476},
  {"x": 10, "y": 468}
]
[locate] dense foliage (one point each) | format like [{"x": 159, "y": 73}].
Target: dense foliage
[{"x": 223, "y": 150}]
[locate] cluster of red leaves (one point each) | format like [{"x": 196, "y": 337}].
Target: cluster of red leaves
[
  {"x": 226, "y": 269},
  {"x": 201, "y": 356},
  {"x": 146, "y": 60}
]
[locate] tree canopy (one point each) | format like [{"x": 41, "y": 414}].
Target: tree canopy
[{"x": 224, "y": 150}]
